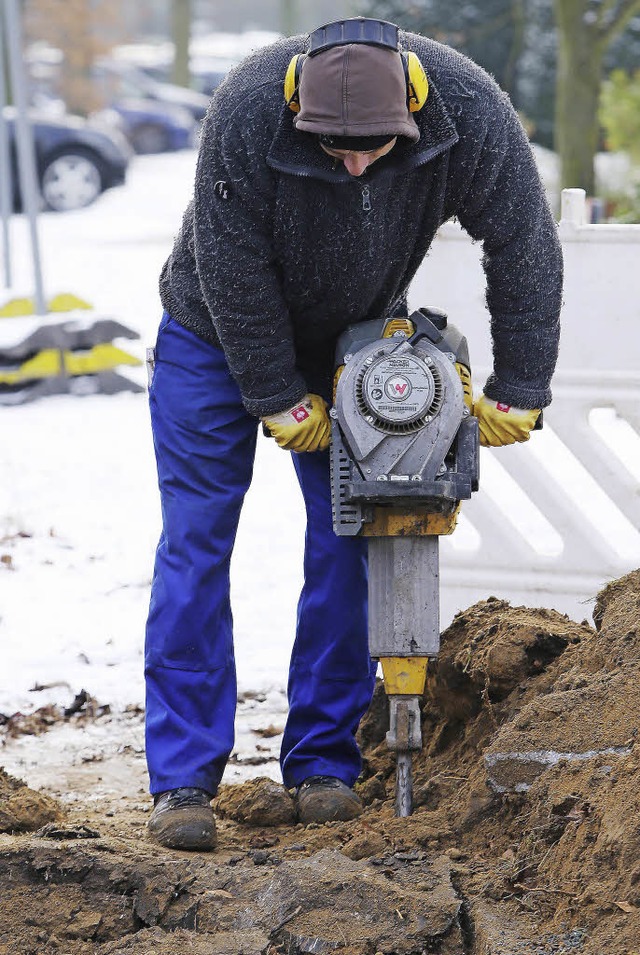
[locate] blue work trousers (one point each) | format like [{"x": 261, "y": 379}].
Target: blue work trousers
[{"x": 205, "y": 444}]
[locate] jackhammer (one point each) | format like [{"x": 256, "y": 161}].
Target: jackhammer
[{"x": 404, "y": 454}]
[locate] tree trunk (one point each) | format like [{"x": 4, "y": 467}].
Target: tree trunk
[
  {"x": 579, "y": 76},
  {"x": 585, "y": 30},
  {"x": 510, "y": 74},
  {"x": 288, "y": 17},
  {"x": 181, "y": 29}
]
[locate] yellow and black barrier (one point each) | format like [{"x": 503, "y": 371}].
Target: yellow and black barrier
[{"x": 42, "y": 356}]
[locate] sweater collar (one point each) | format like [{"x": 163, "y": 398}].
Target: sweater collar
[{"x": 299, "y": 154}]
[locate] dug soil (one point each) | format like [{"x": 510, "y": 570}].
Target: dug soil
[{"x": 525, "y": 837}]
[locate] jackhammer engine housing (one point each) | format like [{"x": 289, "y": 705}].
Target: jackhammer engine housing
[{"x": 404, "y": 453}]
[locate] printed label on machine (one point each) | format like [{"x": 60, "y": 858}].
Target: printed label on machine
[{"x": 386, "y": 390}]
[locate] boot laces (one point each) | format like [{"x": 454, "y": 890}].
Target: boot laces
[
  {"x": 186, "y": 797},
  {"x": 326, "y": 782}
]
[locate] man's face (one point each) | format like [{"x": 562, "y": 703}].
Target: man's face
[{"x": 356, "y": 162}]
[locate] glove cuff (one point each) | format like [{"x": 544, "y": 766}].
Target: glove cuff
[
  {"x": 502, "y": 406},
  {"x": 296, "y": 414}
]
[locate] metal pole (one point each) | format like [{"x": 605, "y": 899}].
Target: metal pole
[
  {"x": 29, "y": 192},
  {"x": 6, "y": 178},
  {"x": 404, "y": 784}
]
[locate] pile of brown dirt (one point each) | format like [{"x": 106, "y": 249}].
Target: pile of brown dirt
[
  {"x": 259, "y": 802},
  {"x": 525, "y": 839},
  {"x": 22, "y": 809},
  {"x": 530, "y": 727}
]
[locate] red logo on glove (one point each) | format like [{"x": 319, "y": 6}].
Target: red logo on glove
[
  {"x": 501, "y": 407},
  {"x": 300, "y": 413}
]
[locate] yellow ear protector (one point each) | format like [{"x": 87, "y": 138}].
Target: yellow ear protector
[
  {"x": 359, "y": 30},
  {"x": 417, "y": 82},
  {"x": 292, "y": 82}
]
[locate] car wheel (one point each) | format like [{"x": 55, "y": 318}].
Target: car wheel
[
  {"x": 147, "y": 139},
  {"x": 71, "y": 180}
]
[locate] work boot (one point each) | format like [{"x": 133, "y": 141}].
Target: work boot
[
  {"x": 183, "y": 819},
  {"x": 326, "y": 799}
]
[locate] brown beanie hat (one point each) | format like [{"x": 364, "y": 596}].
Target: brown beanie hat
[{"x": 355, "y": 90}]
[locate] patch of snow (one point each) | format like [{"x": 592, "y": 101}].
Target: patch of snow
[{"x": 79, "y": 508}]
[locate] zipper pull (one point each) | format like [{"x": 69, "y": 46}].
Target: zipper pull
[{"x": 366, "y": 198}]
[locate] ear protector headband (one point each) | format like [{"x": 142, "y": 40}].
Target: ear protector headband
[{"x": 359, "y": 30}]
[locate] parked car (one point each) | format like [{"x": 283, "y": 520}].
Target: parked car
[
  {"x": 155, "y": 116},
  {"x": 206, "y": 73},
  {"x": 211, "y": 55},
  {"x": 75, "y": 161},
  {"x": 150, "y": 127}
]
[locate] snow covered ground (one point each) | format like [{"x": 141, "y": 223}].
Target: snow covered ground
[{"x": 79, "y": 509}]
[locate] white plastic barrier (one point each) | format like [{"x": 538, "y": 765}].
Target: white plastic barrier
[{"x": 558, "y": 517}]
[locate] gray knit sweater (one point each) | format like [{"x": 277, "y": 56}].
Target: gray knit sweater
[{"x": 281, "y": 249}]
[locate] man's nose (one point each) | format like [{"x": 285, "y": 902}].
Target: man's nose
[{"x": 356, "y": 163}]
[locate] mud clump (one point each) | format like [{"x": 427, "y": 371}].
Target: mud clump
[
  {"x": 23, "y": 809},
  {"x": 366, "y": 845},
  {"x": 258, "y": 802}
]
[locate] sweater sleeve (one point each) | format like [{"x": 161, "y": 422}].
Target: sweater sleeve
[
  {"x": 237, "y": 268},
  {"x": 506, "y": 208}
]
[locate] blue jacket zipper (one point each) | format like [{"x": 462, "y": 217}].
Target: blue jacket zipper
[{"x": 366, "y": 198}]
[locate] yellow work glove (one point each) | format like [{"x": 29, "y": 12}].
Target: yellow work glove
[
  {"x": 304, "y": 427},
  {"x": 465, "y": 378},
  {"x": 501, "y": 424}
]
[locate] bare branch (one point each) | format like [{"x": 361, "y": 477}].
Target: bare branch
[
  {"x": 604, "y": 9},
  {"x": 620, "y": 14}
]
